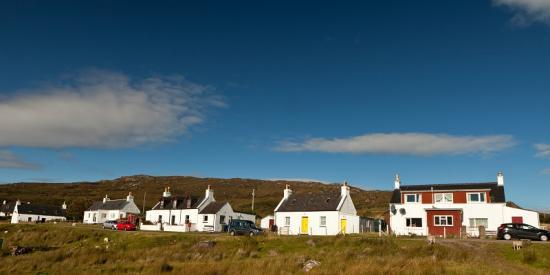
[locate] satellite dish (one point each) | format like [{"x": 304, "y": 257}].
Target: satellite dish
[
  {"x": 392, "y": 209},
  {"x": 402, "y": 211}
]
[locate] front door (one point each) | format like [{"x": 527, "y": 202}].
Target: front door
[
  {"x": 305, "y": 226},
  {"x": 343, "y": 225},
  {"x": 173, "y": 220}
]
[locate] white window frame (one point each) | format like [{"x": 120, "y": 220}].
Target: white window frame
[
  {"x": 417, "y": 196},
  {"x": 443, "y": 198},
  {"x": 445, "y": 219},
  {"x": 287, "y": 221},
  {"x": 323, "y": 221},
  {"x": 479, "y": 195},
  {"x": 473, "y": 222},
  {"x": 421, "y": 221}
]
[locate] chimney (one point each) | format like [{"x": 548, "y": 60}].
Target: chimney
[
  {"x": 174, "y": 203},
  {"x": 287, "y": 192},
  {"x": 344, "y": 189},
  {"x": 500, "y": 179},
  {"x": 166, "y": 193},
  {"x": 129, "y": 197},
  {"x": 64, "y": 206},
  {"x": 209, "y": 193},
  {"x": 105, "y": 199},
  {"x": 397, "y": 182},
  {"x": 18, "y": 202},
  {"x": 4, "y": 202}
]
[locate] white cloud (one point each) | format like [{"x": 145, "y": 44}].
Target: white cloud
[
  {"x": 543, "y": 150},
  {"x": 421, "y": 144},
  {"x": 10, "y": 160},
  {"x": 545, "y": 171},
  {"x": 527, "y": 12},
  {"x": 104, "y": 110}
]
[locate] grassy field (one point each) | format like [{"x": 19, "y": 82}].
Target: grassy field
[{"x": 61, "y": 249}]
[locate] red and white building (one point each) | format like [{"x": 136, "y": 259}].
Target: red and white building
[{"x": 443, "y": 209}]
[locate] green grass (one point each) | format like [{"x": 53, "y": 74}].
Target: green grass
[{"x": 62, "y": 248}]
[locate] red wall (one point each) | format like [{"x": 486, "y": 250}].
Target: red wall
[
  {"x": 450, "y": 230},
  {"x": 458, "y": 196}
]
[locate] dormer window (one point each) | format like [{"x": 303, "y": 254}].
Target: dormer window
[
  {"x": 476, "y": 197},
  {"x": 413, "y": 198},
  {"x": 444, "y": 198}
]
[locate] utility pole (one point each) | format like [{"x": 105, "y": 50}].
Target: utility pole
[
  {"x": 253, "y": 195},
  {"x": 144, "y": 194}
]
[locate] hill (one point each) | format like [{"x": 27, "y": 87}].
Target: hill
[{"x": 80, "y": 195}]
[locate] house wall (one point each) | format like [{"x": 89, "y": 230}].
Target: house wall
[
  {"x": 495, "y": 213},
  {"x": 264, "y": 223},
  {"x": 458, "y": 196},
  {"x": 348, "y": 207},
  {"x": 17, "y": 218},
  {"x": 153, "y": 216},
  {"x": 453, "y": 230},
  {"x": 333, "y": 220},
  {"x": 102, "y": 216},
  {"x": 214, "y": 223}
]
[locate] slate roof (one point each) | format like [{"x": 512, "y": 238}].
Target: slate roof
[
  {"x": 7, "y": 208},
  {"x": 108, "y": 205},
  {"x": 310, "y": 202},
  {"x": 181, "y": 203},
  {"x": 496, "y": 192},
  {"x": 40, "y": 209},
  {"x": 213, "y": 207}
]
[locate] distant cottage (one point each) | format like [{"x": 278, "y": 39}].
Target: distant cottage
[
  {"x": 186, "y": 213},
  {"x": 29, "y": 212},
  {"x": 110, "y": 210},
  {"x": 317, "y": 214},
  {"x": 6, "y": 208},
  {"x": 453, "y": 209}
]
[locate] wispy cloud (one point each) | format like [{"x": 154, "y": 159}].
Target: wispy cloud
[
  {"x": 420, "y": 144},
  {"x": 545, "y": 171},
  {"x": 106, "y": 110},
  {"x": 11, "y": 161},
  {"x": 527, "y": 12},
  {"x": 543, "y": 150}
]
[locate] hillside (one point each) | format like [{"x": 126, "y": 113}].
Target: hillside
[{"x": 80, "y": 195}]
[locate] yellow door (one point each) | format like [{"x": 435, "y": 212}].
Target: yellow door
[
  {"x": 343, "y": 223},
  {"x": 305, "y": 226}
]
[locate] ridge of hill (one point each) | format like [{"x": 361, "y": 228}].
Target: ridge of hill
[{"x": 80, "y": 195}]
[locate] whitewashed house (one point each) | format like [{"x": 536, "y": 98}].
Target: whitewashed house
[
  {"x": 6, "y": 208},
  {"x": 267, "y": 222},
  {"x": 110, "y": 210},
  {"x": 186, "y": 213},
  {"x": 457, "y": 209},
  {"x": 38, "y": 212},
  {"x": 317, "y": 214}
]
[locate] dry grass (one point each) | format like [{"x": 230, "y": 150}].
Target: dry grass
[{"x": 65, "y": 249}]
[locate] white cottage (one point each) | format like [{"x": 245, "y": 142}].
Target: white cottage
[
  {"x": 186, "y": 213},
  {"x": 267, "y": 222},
  {"x": 110, "y": 210},
  {"x": 38, "y": 213},
  {"x": 317, "y": 214}
]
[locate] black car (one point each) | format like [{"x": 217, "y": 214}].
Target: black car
[
  {"x": 243, "y": 227},
  {"x": 508, "y": 231}
]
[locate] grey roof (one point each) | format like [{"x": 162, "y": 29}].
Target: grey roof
[
  {"x": 108, "y": 205},
  {"x": 496, "y": 192},
  {"x": 7, "y": 208},
  {"x": 40, "y": 209},
  {"x": 213, "y": 207},
  {"x": 185, "y": 202},
  {"x": 311, "y": 202}
]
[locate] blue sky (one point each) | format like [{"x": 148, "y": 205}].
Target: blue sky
[{"x": 437, "y": 91}]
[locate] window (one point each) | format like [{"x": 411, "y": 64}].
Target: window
[
  {"x": 112, "y": 215},
  {"x": 186, "y": 219},
  {"x": 414, "y": 222},
  {"x": 88, "y": 215},
  {"x": 287, "y": 221},
  {"x": 476, "y": 197},
  {"x": 222, "y": 219},
  {"x": 443, "y": 220},
  {"x": 205, "y": 218},
  {"x": 526, "y": 227},
  {"x": 444, "y": 198},
  {"x": 323, "y": 221},
  {"x": 412, "y": 198},
  {"x": 103, "y": 215},
  {"x": 477, "y": 222}
]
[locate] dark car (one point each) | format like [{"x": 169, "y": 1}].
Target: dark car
[
  {"x": 508, "y": 231},
  {"x": 243, "y": 227},
  {"x": 110, "y": 225}
]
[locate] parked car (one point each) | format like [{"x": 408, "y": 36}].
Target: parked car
[
  {"x": 110, "y": 225},
  {"x": 243, "y": 227},
  {"x": 508, "y": 231},
  {"x": 126, "y": 226}
]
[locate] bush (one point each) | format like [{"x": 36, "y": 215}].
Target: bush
[{"x": 165, "y": 267}]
